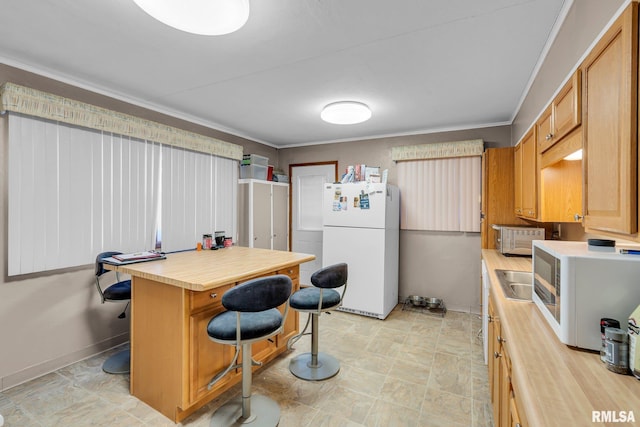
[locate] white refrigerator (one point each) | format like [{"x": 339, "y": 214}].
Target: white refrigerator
[{"x": 361, "y": 227}]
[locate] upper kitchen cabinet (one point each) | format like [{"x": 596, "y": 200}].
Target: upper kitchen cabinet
[
  {"x": 526, "y": 177},
  {"x": 497, "y": 192},
  {"x": 609, "y": 125},
  {"x": 562, "y": 116}
]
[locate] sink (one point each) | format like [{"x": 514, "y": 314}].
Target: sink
[{"x": 516, "y": 285}]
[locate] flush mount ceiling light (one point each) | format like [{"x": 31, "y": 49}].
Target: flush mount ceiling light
[
  {"x": 204, "y": 17},
  {"x": 346, "y": 113}
]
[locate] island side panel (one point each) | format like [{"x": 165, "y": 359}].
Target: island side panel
[{"x": 158, "y": 342}]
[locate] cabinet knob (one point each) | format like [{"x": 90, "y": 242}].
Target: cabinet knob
[
  {"x": 214, "y": 295},
  {"x": 501, "y": 340},
  {"x": 490, "y": 318},
  {"x": 549, "y": 136},
  {"x": 496, "y": 354},
  {"x": 577, "y": 217}
]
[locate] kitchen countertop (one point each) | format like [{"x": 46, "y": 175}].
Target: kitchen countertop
[
  {"x": 208, "y": 269},
  {"x": 558, "y": 385}
]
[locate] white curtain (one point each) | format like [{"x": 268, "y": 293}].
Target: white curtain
[
  {"x": 440, "y": 194},
  {"x": 74, "y": 192}
]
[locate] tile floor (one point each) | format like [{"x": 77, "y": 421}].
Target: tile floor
[{"x": 412, "y": 369}]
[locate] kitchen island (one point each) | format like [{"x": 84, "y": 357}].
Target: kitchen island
[
  {"x": 556, "y": 385},
  {"x": 172, "y": 301}
]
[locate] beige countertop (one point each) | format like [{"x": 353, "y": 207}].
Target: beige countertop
[
  {"x": 559, "y": 385},
  {"x": 207, "y": 269}
]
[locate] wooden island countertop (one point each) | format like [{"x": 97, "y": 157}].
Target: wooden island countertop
[
  {"x": 172, "y": 301},
  {"x": 207, "y": 269},
  {"x": 558, "y": 385}
]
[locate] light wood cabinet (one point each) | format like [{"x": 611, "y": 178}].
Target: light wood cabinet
[
  {"x": 263, "y": 214},
  {"x": 503, "y": 401},
  {"x": 498, "y": 205},
  {"x": 609, "y": 121},
  {"x": 526, "y": 177},
  {"x": 562, "y": 116},
  {"x": 517, "y": 179},
  {"x": 544, "y": 130}
]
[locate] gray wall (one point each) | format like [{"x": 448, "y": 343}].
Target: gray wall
[
  {"x": 53, "y": 319},
  {"x": 583, "y": 24},
  {"x": 432, "y": 264}
]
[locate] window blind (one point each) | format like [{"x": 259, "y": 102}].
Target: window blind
[
  {"x": 74, "y": 192},
  {"x": 440, "y": 194}
]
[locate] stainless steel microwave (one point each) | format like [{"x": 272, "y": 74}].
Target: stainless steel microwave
[
  {"x": 516, "y": 239},
  {"x": 574, "y": 286}
]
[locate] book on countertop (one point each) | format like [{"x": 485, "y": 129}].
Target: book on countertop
[{"x": 138, "y": 256}]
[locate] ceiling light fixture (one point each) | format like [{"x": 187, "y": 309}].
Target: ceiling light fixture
[
  {"x": 576, "y": 155},
  {"x": 204, "y": 17},
  {"x": 346, "y": 113}
]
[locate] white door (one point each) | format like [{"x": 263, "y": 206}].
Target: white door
[{"x": 307, "y": 189}]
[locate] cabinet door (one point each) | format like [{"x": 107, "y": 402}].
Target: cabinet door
[
  {"x": 280, "y": 217},
  {"x": 517, "y": 179},
  {"x": 207, "y": 358},
  {"x": 609, "y": 125},
  {"x": 529, "y": 177},
  {"x": 567, "y": 111},
  {"x": 261, "y": 215},
  {"x": 544, "y": 131}
]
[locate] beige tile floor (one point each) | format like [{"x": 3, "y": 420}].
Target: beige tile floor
[{"x": 412, "y": 369}]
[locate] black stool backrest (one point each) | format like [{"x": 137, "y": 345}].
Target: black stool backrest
[
  {"x": 259, "y": 294},
  {"x": 332, "y": 276},
  {"x": 99, "y": 267}
]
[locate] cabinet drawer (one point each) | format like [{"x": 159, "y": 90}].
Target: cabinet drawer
[
  {"x": 292, "y": 272},
  {"x": 209, "y": 299}
]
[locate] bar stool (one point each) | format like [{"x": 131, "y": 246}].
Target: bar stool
[
  {"x": 252, "y": 315},
  {"x": 316, "y": 300},
  {"x": 120, "y": 291}
]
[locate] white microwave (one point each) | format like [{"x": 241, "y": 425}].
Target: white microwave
[{"x": 575, "y": 285}]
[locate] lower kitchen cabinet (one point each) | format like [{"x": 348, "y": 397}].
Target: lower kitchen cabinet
[{"x": 503, "y": 402}]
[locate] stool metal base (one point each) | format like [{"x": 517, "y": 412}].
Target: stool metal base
[
  {"x": 327, "y": 367},
  {"x": 265, "y": 412},
  {"x": 119, "y": 363}
]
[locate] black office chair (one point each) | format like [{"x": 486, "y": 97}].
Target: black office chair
[
  {"x": 120, "y": 291},
  {"x": 252, "y": 315},
  {"x": 320, "y": 298}
]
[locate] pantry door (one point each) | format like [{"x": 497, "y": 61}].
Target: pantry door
[{"x": 307, "y": 185}]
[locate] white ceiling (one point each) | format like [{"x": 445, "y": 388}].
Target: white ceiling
[{"x": 421, "y": 65}]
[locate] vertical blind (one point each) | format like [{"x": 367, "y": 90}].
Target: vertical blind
[
  {"x": 74, "y": 192},
  {"x": 440, "y": 194}
]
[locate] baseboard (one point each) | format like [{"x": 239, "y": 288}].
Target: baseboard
[{"x": 48, "y": 366}]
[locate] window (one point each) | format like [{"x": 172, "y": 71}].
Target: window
[
  {"x": 441, "y": 193},
  {"x": 75, "y": 192}
]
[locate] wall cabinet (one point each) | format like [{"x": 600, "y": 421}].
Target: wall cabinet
[
  {"x": 562, "y": 116},
  {"x": 497, "y": 192},
  {"x": 610, "y": 122},
  {"x": 526, "y": 177},
  {"x": 263, "y": 214}
]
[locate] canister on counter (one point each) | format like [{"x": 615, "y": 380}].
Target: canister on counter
[
  {"x": 605, "y": 322},
  {"x": 617, "y": 357},
  {"x": 207, "y": 240}
]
